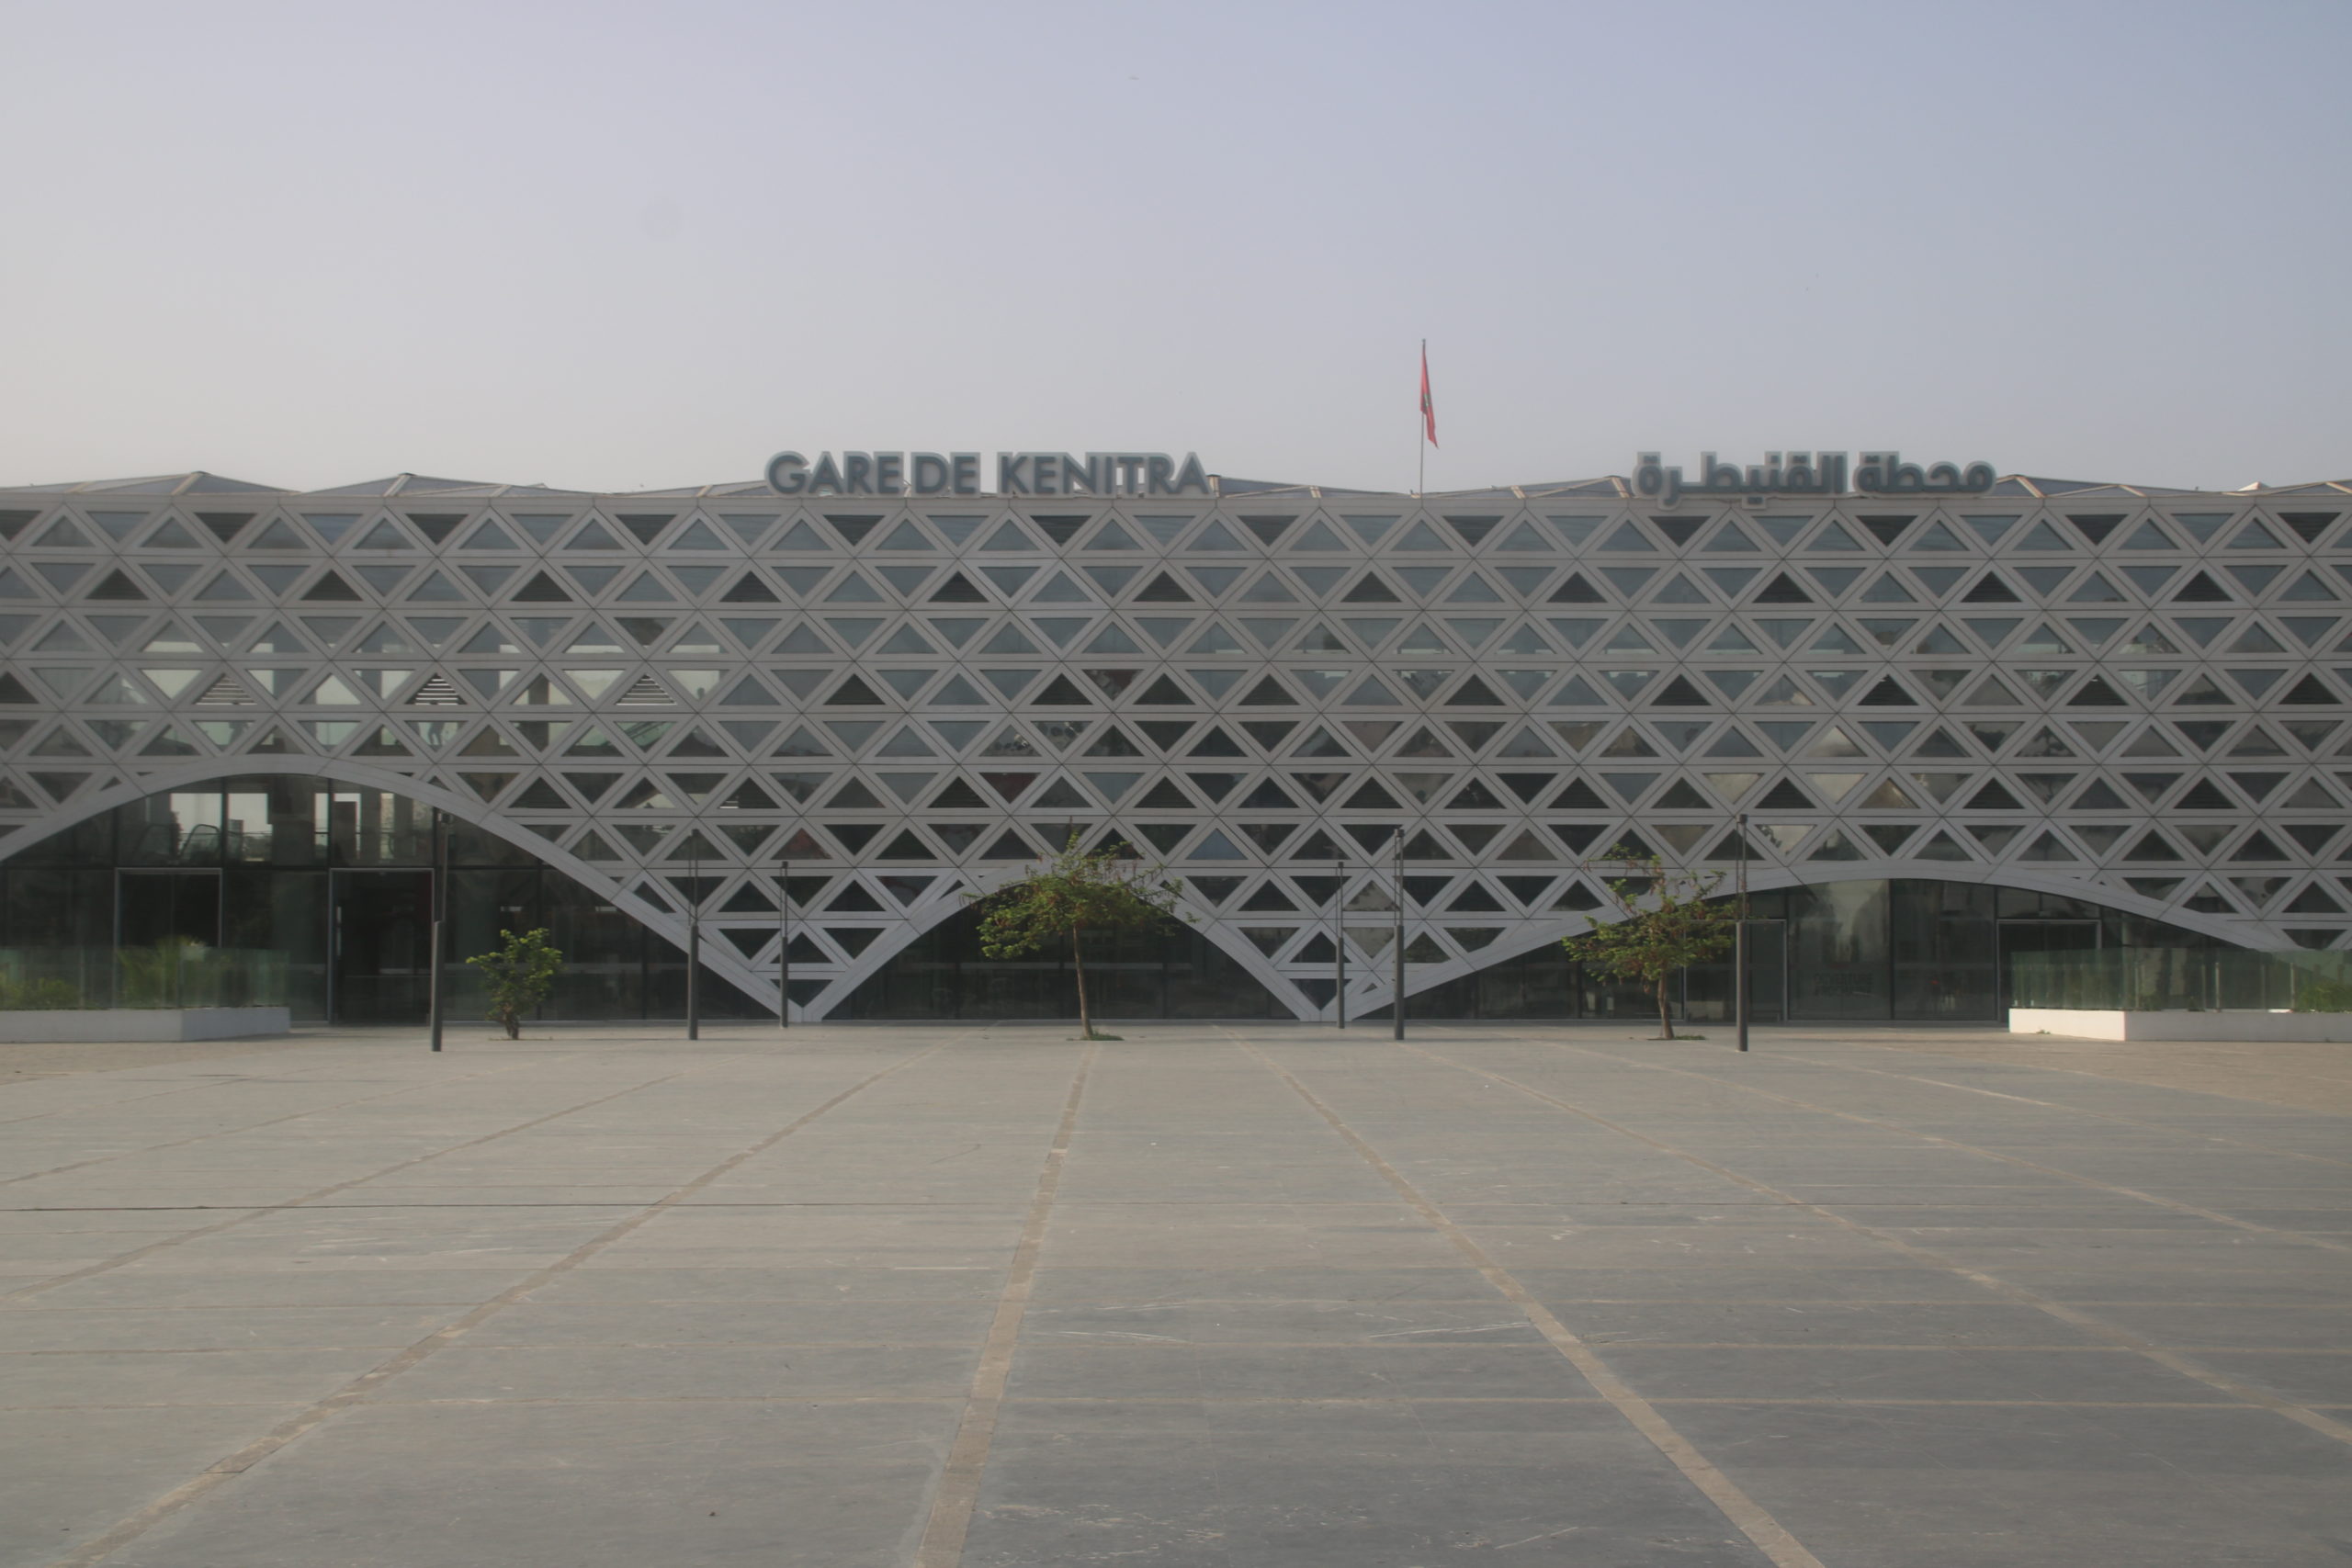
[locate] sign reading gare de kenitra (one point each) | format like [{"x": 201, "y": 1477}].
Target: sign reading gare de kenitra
[
  {"x": 1937, "y": 713},
  {"x": 958, "y": 473}
]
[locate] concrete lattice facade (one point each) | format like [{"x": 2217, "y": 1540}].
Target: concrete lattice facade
[{"x": 2130, "y": 696}]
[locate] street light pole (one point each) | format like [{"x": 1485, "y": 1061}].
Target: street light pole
[
  {"x": 1739, "y": 937},
  {"x": 784, "y": 944},
  {"x": 1339, "y": 941},
  {"x": 694, "y": 948},
  {"x": 1397, "y": 1009},
  {"x": 436, "y": 1002}
]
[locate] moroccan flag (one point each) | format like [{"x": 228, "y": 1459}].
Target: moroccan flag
[{"x": 1429, "y": 404}]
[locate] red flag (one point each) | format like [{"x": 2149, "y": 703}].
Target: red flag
[{"x": 1429, "y": 404}]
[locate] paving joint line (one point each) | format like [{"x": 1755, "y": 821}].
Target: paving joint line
[
  {"x": 2302, "y": 1414},
  {"x": 2217, "y": 1048},
  {"x": 254, "y": 1126},
  {"x": 245, "y": 1216},
  {"x": 221, "y": 1471},
  {"x": 957, "y": 1496},
  {"x": 11, "y": 1082},
  {"x": 2175, "y": 1205},
  {"x": 1747, "y": 1515},
  {"x": 2070, "y": 1109}
]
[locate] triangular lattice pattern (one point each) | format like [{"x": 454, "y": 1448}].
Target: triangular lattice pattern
[{"x": 2137, "y": 698}]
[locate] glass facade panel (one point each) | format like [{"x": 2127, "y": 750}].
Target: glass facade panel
[
  {"x": 1911, "y": 950},
  {"x": 1170, "y": 972},
  {"x": 376, "y": 828},
  {"x": 1707, "y": 989},
  {"x": 296, "y": 868},
  {"x": 468, "y": 845},
  {"x": 89, "y": 843},
  {"x": 180, "y": 829},
  {"x": 382, "y": 942},
  {"x": 285, "y": 911},
  {"x": 59, "y": 922},
  {"x": 1543, "y": 983},
  {"x": 1837, "y": 951},
  {"x": 604, "y": 953},
  {"x": 159, "y": 906},
  {"x": 275, "y": 865},
  {"x": 1538, "y": 984},
  {"x": 1945, "y": 954},
  {"x": 1203, "y": 981},
  {"x": 274, "y": 820}
]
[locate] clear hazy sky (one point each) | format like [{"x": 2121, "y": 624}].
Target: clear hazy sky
[{"x": 617, "y": 246}]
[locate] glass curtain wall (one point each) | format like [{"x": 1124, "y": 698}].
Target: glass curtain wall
[
  {"x": 1902, "y": 951},
  {"x": 1172, "y": 970},
  {"x": 335, "y": 877},
  {"x": 329, "y": 879}
]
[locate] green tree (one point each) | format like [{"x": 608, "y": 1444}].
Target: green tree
[
  {"x": 521, "y": 974},
  {"x": 1668, "y": 923},
  {"x": 1069, "y": 896}
]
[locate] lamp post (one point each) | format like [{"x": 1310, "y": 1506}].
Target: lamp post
[
  {"x": 435, "y": 1004},
  {"x": 784, "y": 944},
  {"x": 1339, "y": 941},
  {"x": 1739, "y": 937},
  {"x": 694, "y": 948},
  {"x": 1397, "y": 1009}
]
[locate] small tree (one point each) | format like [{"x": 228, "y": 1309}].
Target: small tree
[
  {"x": 1069, "y": 896},
  {"x": 521, "y": 974},
  {"x": 1677, "y": 928}
]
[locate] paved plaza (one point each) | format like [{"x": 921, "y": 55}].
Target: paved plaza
[{"x": 1240, "y": 1296}]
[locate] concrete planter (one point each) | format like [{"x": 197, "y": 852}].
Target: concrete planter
[
  {"x": 96, "y": 1026},
  {"x": 2227, "y": 1026}
]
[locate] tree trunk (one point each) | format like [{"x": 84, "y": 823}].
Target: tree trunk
[
  {"x": 1664, "y": 1014},
  {"x": 1078, "y": 961}
]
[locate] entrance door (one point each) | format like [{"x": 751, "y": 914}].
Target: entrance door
[
  {"x": 2043, "y": 936},
  {"x": 382, "y": 935}
]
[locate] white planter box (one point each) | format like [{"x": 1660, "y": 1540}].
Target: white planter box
[
  {"x": 108, "y": 1026},
  {"x": 2227, "y": 1026}
]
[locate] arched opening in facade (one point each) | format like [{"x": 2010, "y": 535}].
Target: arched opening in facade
[
  {"x": 1168, "y": 971},
  {"x": 319, "y": 890},
  {"x": 1884, "y": 950}
]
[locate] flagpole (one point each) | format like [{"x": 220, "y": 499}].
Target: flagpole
[{"x": 1420, "y": 428}]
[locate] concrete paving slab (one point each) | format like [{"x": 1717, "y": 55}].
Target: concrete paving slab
[
  {"x": 60, "y": 1379},
  {"x": 1227, "y": 1295},
  {"x": 761, "y": 1371},
  {"x": 802, "y": 1323},
  {"x": 138, "y": 1285},
  {"x": 599, "y": 1280},
  {"x": 65, "y": 1475},
  {"x": 39, "y": 1328},
  {"x": 2267, "y": 1328},
  {"x": 1838, "y": 1323},
  {"x": 643, "y": 1483}
]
